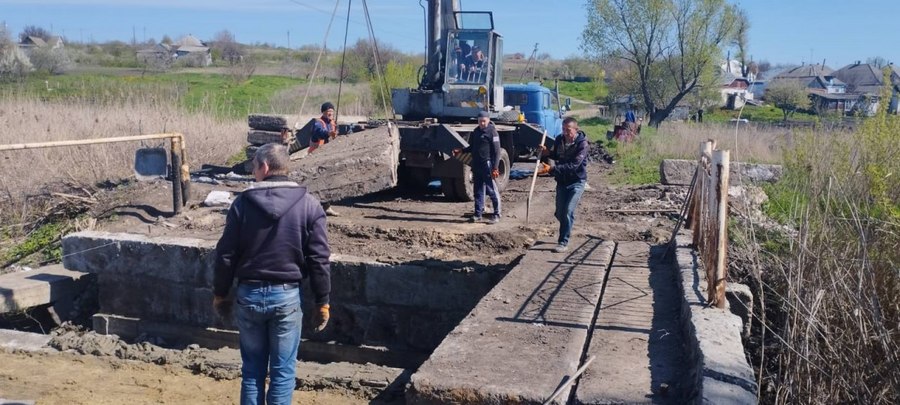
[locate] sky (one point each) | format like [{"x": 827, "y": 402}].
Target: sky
[{"x": 782, "y": 31}]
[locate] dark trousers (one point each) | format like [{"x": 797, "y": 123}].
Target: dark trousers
[{"x": 481, "y": 177}]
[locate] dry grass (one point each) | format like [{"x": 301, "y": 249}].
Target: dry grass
[
  {"x": 832, "y": 291},
  {"x": 356, "y": 99},
  {"x": 29, "y": 173},
  {"x": 747, "y": 143}
]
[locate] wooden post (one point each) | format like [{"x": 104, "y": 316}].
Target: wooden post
[
  {"x": 721, "y": 165},
  {"x": 177, "y": 201},
  {"x": 696, "y": 212}
]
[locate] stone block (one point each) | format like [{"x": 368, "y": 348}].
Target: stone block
[
  {"x": 257, "y": 137},
  {"x": 679, "y": 172},
  {"x": 153, "y": 299},
  {"x": 425, "y": 288},
  {"x": 350, "y": 165},
  {"x": 184, "y": 261},
  {"x": 44, "y": 285}
]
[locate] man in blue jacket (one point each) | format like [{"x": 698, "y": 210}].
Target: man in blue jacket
[
  {"x": 570, "y": 151},
  {"x": 274, "y": 237},
  {"x": 484, "y": 144}
]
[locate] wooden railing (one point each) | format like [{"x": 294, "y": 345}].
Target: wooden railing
[{"x": 707, "y": 217}]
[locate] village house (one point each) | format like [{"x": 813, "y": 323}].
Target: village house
[
  {"x": 864, "y": 83},
  {"x": 188, "y": 49}
]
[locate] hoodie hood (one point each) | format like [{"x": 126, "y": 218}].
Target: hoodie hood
[{"x": 275, "y": 198}]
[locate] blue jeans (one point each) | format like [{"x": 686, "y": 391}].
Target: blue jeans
[
  {"x": 481, "y": 177},
  {"x": 269, "y": 319},
  {"x": 567, "y": 197}
]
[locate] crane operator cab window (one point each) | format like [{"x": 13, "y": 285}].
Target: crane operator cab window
[{"x": 468, "y": 57}]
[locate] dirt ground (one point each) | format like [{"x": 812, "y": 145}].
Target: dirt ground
[
  {"x": 398, "y": 227},
  {"x": 393, "y": 227},
  {"x": 63, "y": 378}
]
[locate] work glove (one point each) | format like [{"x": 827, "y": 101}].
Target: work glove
[
  {"x": 456, "y": 152},
  {"x": 222, "y": 306},
  {"x": 544, "y": 169},
  {"x": 332, "y": 134},
  {"x": 495, "y": 173},
  {"x": 320, "y": 319}
]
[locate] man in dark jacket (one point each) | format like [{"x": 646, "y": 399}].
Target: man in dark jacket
[
  {"x": 275, "y": 236},
  {"x": 570, "y": 151},
  {"x": 484, "y": 144}
]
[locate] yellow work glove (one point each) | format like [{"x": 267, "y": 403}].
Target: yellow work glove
[
  {"x": 320, "y": 319},
  {"x": 544, "y": 169}
]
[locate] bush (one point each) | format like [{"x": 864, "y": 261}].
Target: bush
[{"x": 52, "y": 61}]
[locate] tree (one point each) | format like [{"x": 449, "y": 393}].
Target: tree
[
  {"x": 34, "y": 31},
  {"x": 670, "y": 44},
  {"x": 789, "y": 96},
  {"x": 227, "y": 48},
  {"x": 13, "y": 62},
  {"x": 878, "y": 61},
  {"x": 166, "y": 40},
  {"x": 53, "y": 61},
  {"x": 741, "y": 40}
]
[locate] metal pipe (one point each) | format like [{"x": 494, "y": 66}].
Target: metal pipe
[
  {"x": 181, "y": 176},
  {"x": 95, "y": 141}
]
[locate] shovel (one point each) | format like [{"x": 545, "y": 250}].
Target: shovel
[{"x": 534, "y": 180}]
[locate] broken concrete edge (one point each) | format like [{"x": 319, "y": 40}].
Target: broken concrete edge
[
  {"x": 718, "y": 367},
  {"x": 679, "y": 172},
  {"x": 13, "y": 340},
  {"x": 44, "y": 285},
  {"x": 212, "y": 338}
]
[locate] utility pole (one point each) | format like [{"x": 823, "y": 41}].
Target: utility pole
[
  {"x": 289, "y": 38},
  {"x": 133, "y": 36}
]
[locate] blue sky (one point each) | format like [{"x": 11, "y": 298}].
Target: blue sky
[{"x": 783, "y": 31}]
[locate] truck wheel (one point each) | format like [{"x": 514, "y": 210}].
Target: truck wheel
[
  {"x": 459, "y": 188},
  {"x": 504, "y": 168}
]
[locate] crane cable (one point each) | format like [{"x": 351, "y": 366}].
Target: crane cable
[
  {"x": 312, "y": 77},
  {"x": 380, "y": 77},
  {"x": 343, "y": 60}
]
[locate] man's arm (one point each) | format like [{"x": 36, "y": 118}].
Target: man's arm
[
  {"x": 228, "y": 252},
  {"x": 495, "y": 148},
  {"x": 319, "y": 132},
  {"x": 318, "y": 254},
  {"x": 581, "y": 153}
]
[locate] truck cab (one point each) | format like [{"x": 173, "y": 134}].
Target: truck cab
[{"x": 537, "y": 104}]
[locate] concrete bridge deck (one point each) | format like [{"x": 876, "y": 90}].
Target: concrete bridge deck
[{"x": 618, "y": 302}]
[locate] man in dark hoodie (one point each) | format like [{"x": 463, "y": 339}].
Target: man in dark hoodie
[
  {"x": 484, "y": 144},
  {"x": 275, "y": 236},
  {"x": 570, "y": 151}
]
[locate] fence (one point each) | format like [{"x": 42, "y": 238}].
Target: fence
[{"x": 707, "y": 217}]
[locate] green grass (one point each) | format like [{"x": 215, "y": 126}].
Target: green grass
[
  {"x": 43, "y": 239},
  {"x": 765, "y": 114},
  {"x": 634, "y": 163},
  {"x": 582, "y": 91},
  {"x": 202, "y": 92}
]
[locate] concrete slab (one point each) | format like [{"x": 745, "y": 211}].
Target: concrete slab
[
  {"x": 16, "y": 402},
  {"x": 351, "y": 165},
  {"x": 44, "y": 285},
  {"x": 525, "y": 337},
  {"x": 679, "y": 172},
  {"x": 25, "y": 341},
  {"x": 636, "y": 338}
]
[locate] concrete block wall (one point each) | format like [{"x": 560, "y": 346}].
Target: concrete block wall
[
  {"x": 165, "y": 279},
  {"x": 719, "y": 371}
]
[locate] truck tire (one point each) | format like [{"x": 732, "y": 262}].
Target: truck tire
[
  {"x": 504, "y": 168},
  {"x": 459, "y": 188}
]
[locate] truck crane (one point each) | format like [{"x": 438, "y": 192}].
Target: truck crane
[{"x": 462, "y": 76}]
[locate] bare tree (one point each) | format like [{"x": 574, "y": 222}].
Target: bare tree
[
  {"x": 878, "y": 61},
  {"x": 741, "y": 40},
  {"x": 34, "y": 31},
  {"x": 670, "y": 43},
  {"x": 225, "y": 45}
]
